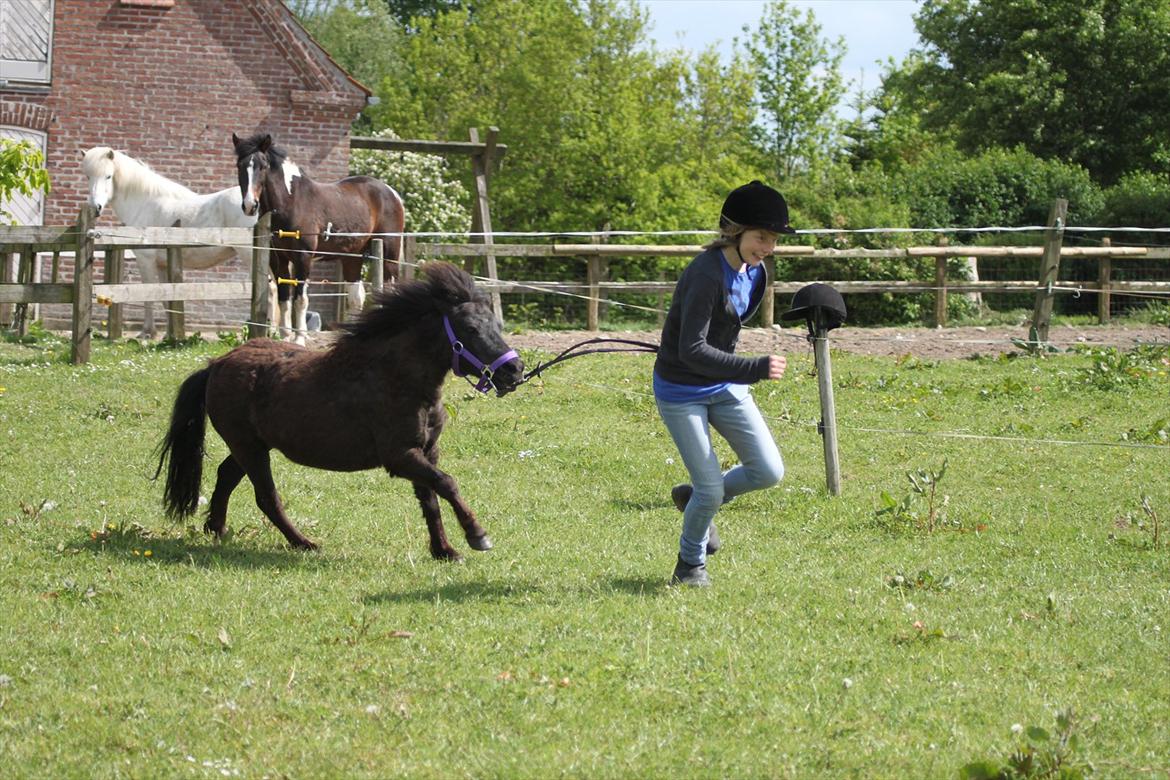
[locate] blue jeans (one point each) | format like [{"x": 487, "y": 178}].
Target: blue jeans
[{"x": 733, "y": 413}]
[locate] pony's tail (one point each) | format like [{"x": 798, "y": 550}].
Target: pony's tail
[{"x": 183, "y": 447}]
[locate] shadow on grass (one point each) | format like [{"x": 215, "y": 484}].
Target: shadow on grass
[
  {"x": 493, "y": 592},
  {"x": 644, "y": 505},
  {"x": 641, "y": 586},
  {"x": 134, "y": 543},
  {"x": 458, "y": 592}
]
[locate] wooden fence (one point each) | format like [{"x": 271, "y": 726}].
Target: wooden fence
[
  {"x": 82, "y": 240},
  {"x": 83, "y": 291}
]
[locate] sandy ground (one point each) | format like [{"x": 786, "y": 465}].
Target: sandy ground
[{"x": 925, "y": 343}]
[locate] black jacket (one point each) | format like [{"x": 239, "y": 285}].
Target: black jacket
[{"x": 702, "y": 328}]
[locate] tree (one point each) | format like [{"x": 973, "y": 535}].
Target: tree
[
  {"x": 596, "y": 122},
  {"x": 361, "y": 36},
  {"x": 799, "y": 84},
  {"x": 1087, "y": 81},
  {"x": 22, "y": 170}
]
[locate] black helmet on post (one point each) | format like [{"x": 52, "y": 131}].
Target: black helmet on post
[
  {"x": 818, "y": 303},
  {"x": 756, "y": 205}
]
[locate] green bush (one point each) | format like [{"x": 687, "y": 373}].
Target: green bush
[
  {"x": 1140, "y": 199},
  {"x": 433, "y": 201}
]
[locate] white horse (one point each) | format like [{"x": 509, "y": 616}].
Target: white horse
[{"x": 142, "y": 198}]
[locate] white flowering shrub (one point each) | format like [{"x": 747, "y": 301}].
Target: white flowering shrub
[{"x": 434, "y": 202}]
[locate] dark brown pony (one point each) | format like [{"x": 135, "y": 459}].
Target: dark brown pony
[
  {"x": 373, "y": 399},
  {"x": 320, "y": 219}
]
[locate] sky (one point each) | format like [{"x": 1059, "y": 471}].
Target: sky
[{"x": 873, "y": 29}]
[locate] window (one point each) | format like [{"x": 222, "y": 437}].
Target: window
[
  {"x": 24, "y": 209},
  {"x": 26, "y": 34}
]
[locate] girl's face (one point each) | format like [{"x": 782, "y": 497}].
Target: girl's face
[{"x": 757, "y": 244}]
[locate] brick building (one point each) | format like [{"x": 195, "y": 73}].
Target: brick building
[{"x": 168, "y": 82}]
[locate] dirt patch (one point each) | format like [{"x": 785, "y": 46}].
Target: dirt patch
[{"x": 925, "y": 343}]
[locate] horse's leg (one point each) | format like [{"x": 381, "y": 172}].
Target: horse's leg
[
  {"x": 284, "y": 315},
  {"x": 417, "y": 467},
  {"x": 259, "y": 470},
  {"x": 355, "y": 291},
  {"x": 148, "y": 272},
  {"x": 273, "y": 322},
  {"x": 300, "y": 307},
  {"x": 280, "y": 267},
  {"x": 441, "y": 549},
  {"x": 227, "y": 478},
  {"x": 302, "y": 265}
]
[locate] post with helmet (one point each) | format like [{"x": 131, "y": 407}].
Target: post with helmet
[{"x": 823, "y": 309}]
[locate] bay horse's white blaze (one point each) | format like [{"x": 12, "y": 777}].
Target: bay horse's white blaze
[{"x": 142, "y": 198}]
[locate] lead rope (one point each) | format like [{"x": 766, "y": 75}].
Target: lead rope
[{"x": 629, "y": 345}]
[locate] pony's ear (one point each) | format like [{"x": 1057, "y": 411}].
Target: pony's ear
[
  {"x": 235, "y": 140},
  {"x": 265, "y": 142},
  {"x": 111, "y": 154}
]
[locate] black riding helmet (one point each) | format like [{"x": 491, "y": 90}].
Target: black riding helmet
[
  {"x": 756, "y": 205},
  {"x": 818, "y": 303}
]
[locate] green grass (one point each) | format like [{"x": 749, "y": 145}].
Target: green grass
[{"x": 132, "y": 647}]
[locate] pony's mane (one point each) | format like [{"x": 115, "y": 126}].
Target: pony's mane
[
  {"x": 132, "y": 175},
  {"x": 250, "y": 145},
  {"x": 397, "y": 308}
]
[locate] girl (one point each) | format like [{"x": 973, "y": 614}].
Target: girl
[{"x": 699, "y": 382}]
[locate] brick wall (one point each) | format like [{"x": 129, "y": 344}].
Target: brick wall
[{"x": 169, "y": 84}]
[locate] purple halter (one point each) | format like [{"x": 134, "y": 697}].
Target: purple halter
[{"x": 485, "y": 371}]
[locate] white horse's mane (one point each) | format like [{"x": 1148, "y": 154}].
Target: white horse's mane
[{"x": 132, "y": 175}]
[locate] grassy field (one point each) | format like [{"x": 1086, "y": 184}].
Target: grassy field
[{"x": 874, "y": 634}]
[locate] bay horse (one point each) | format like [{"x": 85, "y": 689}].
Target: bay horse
[
  {"x": 319, "y": 218},
  {"x": 143, "y": 198},
  {"x": 372, "y": 399}
]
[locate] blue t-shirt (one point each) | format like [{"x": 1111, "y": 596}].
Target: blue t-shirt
[{"x": 739, "y": 288}]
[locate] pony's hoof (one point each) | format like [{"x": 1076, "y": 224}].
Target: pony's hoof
[
  {"x": 304, "y": 544},
  {"x": 481, "y": 543},
  {"x": 449, "y": 555}
]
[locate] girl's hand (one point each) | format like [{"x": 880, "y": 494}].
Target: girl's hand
[{"x": 776, "y": 366}]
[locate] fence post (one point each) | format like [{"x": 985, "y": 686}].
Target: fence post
[
  {"x": 115, "y": 268},
  {"x": 940, "y": 287},
  {"x": 481, "y": 222},
  {"x": 768, "y": 304},
  {"x": 176, "y": 318},
  {"x": 378, "y": 269},
  {"x": 82, "y": 320},
  {"x": 262, "y": 287},
  {"x": 6, "y": 277},
  {"x": 661, "y": 316},
  {"x": 1049, "y": 272},
  {"x": 408, "y": 262},
  {"x": 24, "y": 275},
  {"x": 592, "y": 277},
  {"x": 38, "y": 272},
  {"x": 1104, "y": 279}
]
